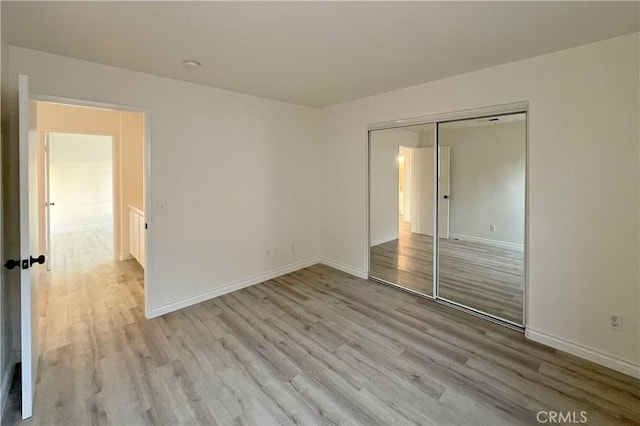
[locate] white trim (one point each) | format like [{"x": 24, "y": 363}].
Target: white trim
[
  {"x": 504, "y": 244},
  {"x": 27, "y": 339},
  {"x": 284, "y": 270},
  {"x": 367, "y": 210},
  {"x": 344, "y": 268},
  {"x": 125, "y": 256},
  {"x": 82, "y": 228},
  {"x": 451, "y": 116},
  {"x": 192, "y": 300},
  {"x": 146, "y": 194},
  {"x": 435, "y": 241},
  {"x": 136, "y": 210},
  {"x": 384, "y": 240},
  {"x": 509, "y": 108},
  {"x": 86, "y": 103},
  {"x": 584, "y": 352}
]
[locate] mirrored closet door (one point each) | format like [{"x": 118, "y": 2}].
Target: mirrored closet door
[
  {"x": 467, "y": 178},
  {"x": 481, "y": 260},
  {"x": 401, "y": 198}
]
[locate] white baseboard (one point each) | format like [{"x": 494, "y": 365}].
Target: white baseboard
[
  {"x": 192, "y": 300},
  {"x": 125, "y": 256},
  {"x": 344, "y": 268},
  {"x": 496, "y": 243},
  {"x": 81, "y": 228},
  {"x": 573, "y": 348},
  {"x": 383, "y": 240},
  {"x": 585, "y": 352}
]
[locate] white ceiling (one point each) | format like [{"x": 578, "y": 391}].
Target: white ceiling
[{"x": 311, "y": 53}]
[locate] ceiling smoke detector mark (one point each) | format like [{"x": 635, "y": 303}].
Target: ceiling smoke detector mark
[{"x": 191, "y": 64}]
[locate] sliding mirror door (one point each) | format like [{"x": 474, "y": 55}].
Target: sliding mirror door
[
  {"x": 481, "y": 256},
  {"x": 401, "y": 206}
]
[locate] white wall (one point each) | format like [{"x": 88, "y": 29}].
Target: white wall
[
  {"x": 80, "y": 181},
  {"x": 426, "y": 139},
  {"x": 583, "y": 158},
  {"x": 200, "y": 139},
  {"x": 385, "y": 146},
  {"x": 487, "y": 185},
  {"x": 583, "y": 185}
]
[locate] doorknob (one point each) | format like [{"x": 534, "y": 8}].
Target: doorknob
[
  {"x": 446, "y": 197},
  {"x": 40, "y": 259},
  {"x": 51, "y": 204}
]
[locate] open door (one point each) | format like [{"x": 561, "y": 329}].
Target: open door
[
  {"x": 422, "y": 203},
  {"x": 29, "y": 243}
]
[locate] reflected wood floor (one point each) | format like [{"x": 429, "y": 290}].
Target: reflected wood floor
[
  {"x": 480, "y": 276},
  {"x": 316, "y": 346}
]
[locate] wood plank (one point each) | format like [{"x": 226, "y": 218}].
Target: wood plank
[
  {"x": 480, "y": 276},
  {"x": 317, "y": 346}
]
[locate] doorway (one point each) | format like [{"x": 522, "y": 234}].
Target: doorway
[
  {"x": 79, "y": 198},
  {"x": 74, "y": 303},
  {"x": 91, "y": 175}
]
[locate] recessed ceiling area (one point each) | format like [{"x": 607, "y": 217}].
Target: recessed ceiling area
[{"x": 311, "y": 53}]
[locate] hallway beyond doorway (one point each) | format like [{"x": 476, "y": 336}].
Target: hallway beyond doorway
[{"x": 81, "y": 249}]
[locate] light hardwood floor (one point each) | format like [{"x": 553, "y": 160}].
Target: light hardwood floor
[
  {"x": 80, "y": 250},
  {"x": 480, "y": 276},
  {"x": 313, "y": 347}
]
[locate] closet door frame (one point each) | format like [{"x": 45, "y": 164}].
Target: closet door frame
[{"x": 495, "y": 110}]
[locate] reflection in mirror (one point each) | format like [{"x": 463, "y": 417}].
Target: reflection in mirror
[
  {"x": 401, "y": 173},
  {"x": 481, "y": 254}
]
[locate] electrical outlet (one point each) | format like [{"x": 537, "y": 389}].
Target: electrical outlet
[
  {"x": 615, "y": 322},
  {"x": 293, "y": 248},
  {"x": 492, "y": 228}
]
